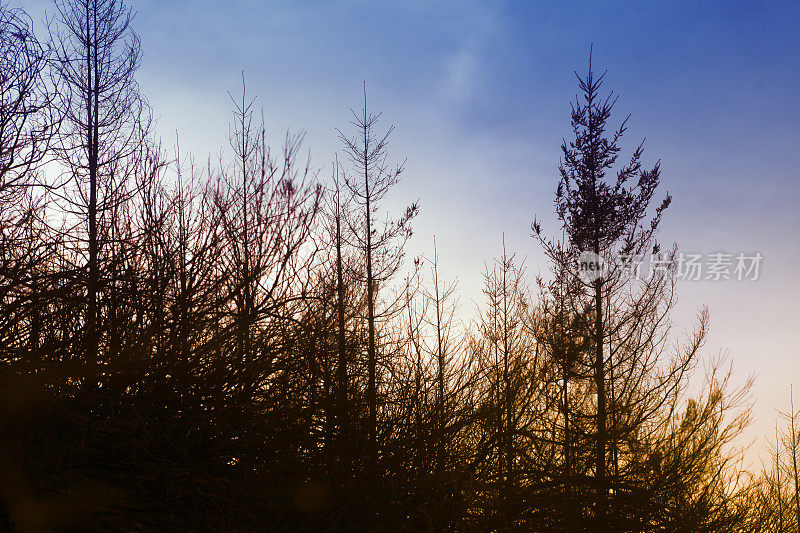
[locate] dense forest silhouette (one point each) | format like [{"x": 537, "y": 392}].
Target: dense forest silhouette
[{"x": 244, "y": 345}]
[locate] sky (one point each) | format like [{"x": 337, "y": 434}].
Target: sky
[{"x": 479, "y": 94}]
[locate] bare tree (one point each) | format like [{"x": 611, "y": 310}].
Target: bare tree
[
  {"x": 28, "y": 124},
  {"x": 442, "y": 298},
  {"x": 96, "y": 55},
  {"x": 28, "y": 118},
  {"x": 789, "y": 440},
  {"x": 369, "y": 179},
  {"x": 561, "y": 335},
  {"x": 793, "y": 444},
  {"x": 267, "y": 206}
]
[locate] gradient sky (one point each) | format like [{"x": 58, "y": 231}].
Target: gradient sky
[{"x": 479, "y": 93}]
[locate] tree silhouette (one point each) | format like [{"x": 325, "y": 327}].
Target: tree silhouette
[
  {"x": 369, "y": 180},
  {"x": 238, "y": 345},
  {"x": 602, "y": 217},
  {"x": 28, "y": 117},
  {"x": 96, "y": 55}
]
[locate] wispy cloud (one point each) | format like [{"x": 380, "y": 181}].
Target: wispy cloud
[
  {"x": 460, "y": 78},
  {"x": 464, "y": 68}
]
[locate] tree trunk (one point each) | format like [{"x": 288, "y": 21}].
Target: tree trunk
[
  {"x": 599, "y": 376},
  {"x": 372, "y": 401},
  {"x": 440, "y": 365},
  {"x": 341, "y": 369},
  {"x": 92, "y": 107},
  {"x": 794, "y": 462}
]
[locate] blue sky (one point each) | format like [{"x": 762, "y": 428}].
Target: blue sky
[{"x": 479, "y": 93}]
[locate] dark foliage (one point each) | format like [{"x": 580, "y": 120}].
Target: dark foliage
[{"x": 233, "y": 347}]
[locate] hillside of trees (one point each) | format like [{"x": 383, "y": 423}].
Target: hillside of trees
[{"x": 250, "y": 345}]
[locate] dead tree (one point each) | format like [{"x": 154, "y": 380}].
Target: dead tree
[
  {"x": 96, "y": 54},
  {"x": 369, "y": 179}
]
